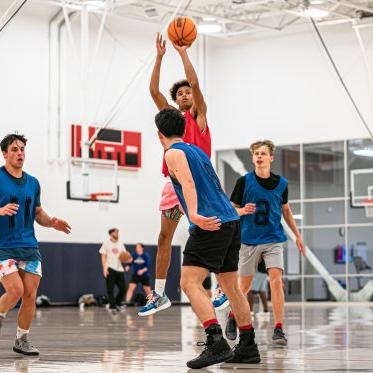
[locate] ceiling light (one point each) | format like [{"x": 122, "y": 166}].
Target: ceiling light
[
  {"x": 95, "y": 4},
  {"x": 317, "y": 2},
  {"x": 313, "y": 12},
  {"x": 298, "y": 216},
  {"x": 209, "y": 19},
  {"x": 209, "y": 28},
  {"x": 365, "y": 152}
]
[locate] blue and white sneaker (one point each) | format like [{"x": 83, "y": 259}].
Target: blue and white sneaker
[
  {"x": 155, "y": 304},
  {"x": 220, "y": 300}
]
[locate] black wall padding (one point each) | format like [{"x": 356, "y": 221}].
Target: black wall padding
[{"x": 73, "y": 269}]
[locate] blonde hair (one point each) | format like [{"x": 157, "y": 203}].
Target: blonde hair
[{"x": 268, "y": 143}]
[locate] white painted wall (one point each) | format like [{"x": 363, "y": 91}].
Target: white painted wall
[
  {"x": 282, "y": 86},
  {"x": 273, "y": 86},
  {"x": 24, "y": 107}
]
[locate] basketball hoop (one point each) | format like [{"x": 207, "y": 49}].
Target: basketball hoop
[
  {"x": 103, "y": 199},
  {"x": 368, "y": 205}
]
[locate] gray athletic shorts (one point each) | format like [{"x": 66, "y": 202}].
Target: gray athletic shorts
[{"x": 250, "y": 256}]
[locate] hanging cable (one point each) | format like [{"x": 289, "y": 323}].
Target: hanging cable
[
  {"x": 147, "y": 62},
  {"x": 341, "y": 79},
  {"x": 13, "y": 15}
]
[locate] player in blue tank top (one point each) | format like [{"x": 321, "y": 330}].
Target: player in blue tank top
[
  {"x": 213, "y": 244},
  {"x": 261, "y": 199},
  {"x": 20, "y": 260}
]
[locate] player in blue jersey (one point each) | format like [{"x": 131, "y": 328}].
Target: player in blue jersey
[
  {"x": 140, "y": 272},
  {"x": 213, "y": 244},
  {"x": 261, "y": 199},
  {"x": 20, "y": 260}
]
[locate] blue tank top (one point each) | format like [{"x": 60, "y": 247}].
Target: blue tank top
[
  {"x": 140, "y": 262},
  {"x": 17, "y": 235},
  {"x": 211, "y": 199},
  {"x": 265, "y": 225}
]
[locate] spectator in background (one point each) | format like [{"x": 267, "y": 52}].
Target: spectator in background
[
  {"x": 113, "y": 270},
  {"x": 140, "y": 272}
]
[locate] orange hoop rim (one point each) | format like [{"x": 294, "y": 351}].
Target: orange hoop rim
[{"x": 100, "y": 196}]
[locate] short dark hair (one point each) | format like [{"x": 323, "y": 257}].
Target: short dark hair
[
  {"x": 176, "y": 86},
  {"x": 9, "y": 139},
  {"x": 170, "y": 123},
  {"x": 112, "y": 230},
  {"x": 140, "y": 244}
]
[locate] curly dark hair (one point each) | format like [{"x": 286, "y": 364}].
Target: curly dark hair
[
  {"x": 176, "y": 86},
  {"x": 9, "y": 139}
]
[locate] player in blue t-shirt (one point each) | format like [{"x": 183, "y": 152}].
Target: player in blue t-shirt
[
  {"x": 20, "y": 260},
  {"x": 213, "y": 244},
  {"x": 261, "y": 199},
  {"x": 140, "y": 272}
]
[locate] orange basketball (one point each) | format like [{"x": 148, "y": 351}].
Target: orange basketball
[
  {"x": 125, "y": 257},
  {"x": 182, "y": 31}
]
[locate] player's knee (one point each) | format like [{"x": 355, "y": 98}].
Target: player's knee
[
  {"x": 164, "y": 241},
  {"x": 187, "y": 284},
  {"x": 276, "y": 282},
  {"x": 29, "y": 295},
  {"x": 15, "y": 293}
]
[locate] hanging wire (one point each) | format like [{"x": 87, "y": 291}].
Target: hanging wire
[
  {"x": 147, "y": 61},
  {"x": 341, "y": 79},
  {"x": 13, "y": 15}
]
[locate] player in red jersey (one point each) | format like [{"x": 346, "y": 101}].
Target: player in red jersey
[{"x": 189, "y": 100}]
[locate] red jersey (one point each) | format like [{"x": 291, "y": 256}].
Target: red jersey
[{"x": 193, "y": 135}]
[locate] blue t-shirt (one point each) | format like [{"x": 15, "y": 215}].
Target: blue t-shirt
[
  {"x": 140, "y": 262},
  {"x": 17, "y": 235},
  {"x": 265, "y": 225},
  {"x": 211, "y": 199}
]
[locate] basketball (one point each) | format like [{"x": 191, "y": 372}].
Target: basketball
[
  {"x": 182, "y": 31},
  {"x": 125, "y": 257}
]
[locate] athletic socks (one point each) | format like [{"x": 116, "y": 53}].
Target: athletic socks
[
  {"x": 21, "y": 332},
  {"x": 278, "y": 325},
  {"x": 206, "y": 324},
  {"x": 160, "y": 286}
]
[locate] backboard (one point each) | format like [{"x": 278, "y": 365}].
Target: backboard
[
  {"x": 361, "y": 184},
  {"x": 88, "y": 177}
]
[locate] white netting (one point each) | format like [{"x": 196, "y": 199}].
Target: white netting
[
  {"x": 103, "y": 200},
  {"x": 369, "y": 209}
]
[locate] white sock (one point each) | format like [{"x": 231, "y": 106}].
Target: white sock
[
  {"x": 3, "y": 314},
  {"x": 21, "y": 332},
  {"x": 160, "y": 285}
]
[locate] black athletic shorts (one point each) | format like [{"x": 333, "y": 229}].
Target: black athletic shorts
[
  {"x": 216, "y": 251},
  {"x": 207, "y": 283},
  {"x": 143, "y": 280}
]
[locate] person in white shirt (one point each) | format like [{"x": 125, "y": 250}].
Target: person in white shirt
[{"x": 113, "y": 270}]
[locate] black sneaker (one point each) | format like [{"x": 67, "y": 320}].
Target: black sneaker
[
  {"x": 216, "y": 351},
  {"x": 246, "y": 351},
  {"x": 279, "y": 337},
  {"x": 231, "y": 328}
]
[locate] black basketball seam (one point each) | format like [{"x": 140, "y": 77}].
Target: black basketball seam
[
  {"x": 194, "y": 27},
  {"x": 182, "y": 30},
  {"x": 176, "y": 33}
]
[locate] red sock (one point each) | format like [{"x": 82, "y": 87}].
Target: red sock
[
  {"x": 278, "y": 325},
  {"x": 231, "y": 315},
  {"x": 246, "y": 327},
  {"x": 208, "y": 323}
]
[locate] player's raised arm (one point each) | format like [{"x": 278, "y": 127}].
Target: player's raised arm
[
  {"x": 158, "y": 98},
  {"x": 199, "y": 109}
]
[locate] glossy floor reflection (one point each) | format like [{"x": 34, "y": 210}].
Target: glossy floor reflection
[{"x": 322, "y": 338}]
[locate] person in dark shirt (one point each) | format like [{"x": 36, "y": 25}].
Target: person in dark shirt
[
  {"x": 261, "y": 199},
  {"x": 140, "y": 272}
]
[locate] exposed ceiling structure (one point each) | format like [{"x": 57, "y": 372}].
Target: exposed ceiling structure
[{"x": 234, "y": 17}]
